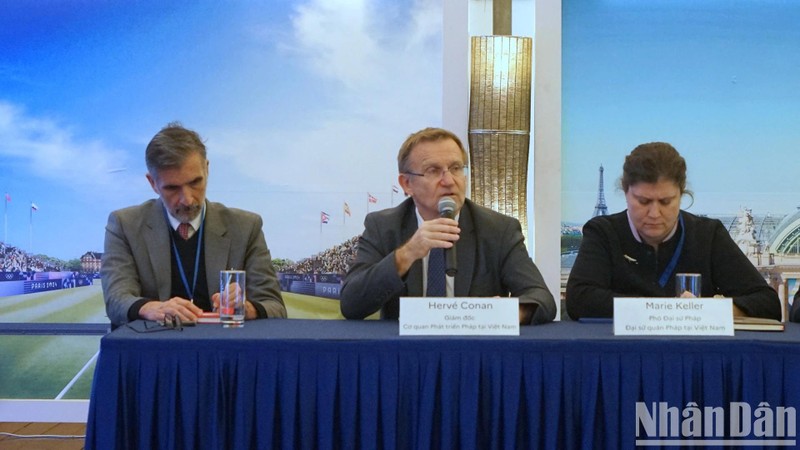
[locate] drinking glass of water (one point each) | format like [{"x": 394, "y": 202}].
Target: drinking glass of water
[
  {"x": 687, "y": 282},
  {"x": 231, "y": 298}
]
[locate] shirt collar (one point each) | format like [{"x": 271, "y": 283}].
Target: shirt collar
[
  {"x": 636, "y": 233},
  {"x": 195, "y": 223}
]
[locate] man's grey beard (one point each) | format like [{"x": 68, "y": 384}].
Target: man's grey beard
[{"x": 187, "y": 213}]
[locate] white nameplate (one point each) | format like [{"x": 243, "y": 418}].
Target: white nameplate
[
  {"x": 459, "y": 316},
  {"x": 660, "y": 316}
]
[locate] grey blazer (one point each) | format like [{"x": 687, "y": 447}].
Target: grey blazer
[
  {"x": 136, "y": 260},
  {"x": 491, "y": 256}
]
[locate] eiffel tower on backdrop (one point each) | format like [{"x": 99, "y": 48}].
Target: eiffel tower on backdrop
[{"x": 600, "y": 209}]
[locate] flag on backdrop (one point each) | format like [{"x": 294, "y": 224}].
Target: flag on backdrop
[
  {"x": 8, "y": 197},
  {"x": 324, "y": 217},
  {"x": 371, "y": 198},
  {"x": 346, "y": 208},
  {"x": 34, "y": 207}
]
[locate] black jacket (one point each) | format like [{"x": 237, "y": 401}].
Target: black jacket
[
  {"x": 611, "y": 263},
  {"x": 794, "y": 316}
]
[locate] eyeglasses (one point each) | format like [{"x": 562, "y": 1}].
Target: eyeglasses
[{"x": 435, "y": 173}]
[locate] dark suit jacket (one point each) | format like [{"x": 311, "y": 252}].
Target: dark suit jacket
[
  {"x": 794, "y": 315},
  {"x": 491, "y": 257},
  {"x": 611, "y": 263},
  {"x": 136, "y": 263}
]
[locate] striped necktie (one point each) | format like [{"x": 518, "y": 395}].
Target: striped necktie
[{"x": 183, "y": 230}]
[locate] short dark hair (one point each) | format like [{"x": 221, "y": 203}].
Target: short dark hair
[
  {"x": 425, "y": 135},
  {"x": 171, "y": 146},
  {"x": 653, "y": 161}
]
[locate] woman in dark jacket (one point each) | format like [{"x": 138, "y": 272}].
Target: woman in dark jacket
[{"x": 637, "y": 252}]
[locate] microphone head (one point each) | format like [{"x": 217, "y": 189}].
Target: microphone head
[{"x": 447, "y": 207}]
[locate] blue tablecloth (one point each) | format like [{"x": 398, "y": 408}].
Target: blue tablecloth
[{"x": 307, "y": 384}]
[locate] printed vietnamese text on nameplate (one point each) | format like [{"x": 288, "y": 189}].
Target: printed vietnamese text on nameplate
[
  {"x": 665, "y": 316},
  {"x": 459, "y": 316}
]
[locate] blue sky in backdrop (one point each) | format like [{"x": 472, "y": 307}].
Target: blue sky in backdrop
[
  {"x": 302, "y": 103},
  {"x": 720, "y": 80}
]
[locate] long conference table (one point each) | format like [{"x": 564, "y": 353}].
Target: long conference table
[{"x": 324, "y": 384}]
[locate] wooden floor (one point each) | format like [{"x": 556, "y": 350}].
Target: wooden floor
[{"x": 44, "y": 436}]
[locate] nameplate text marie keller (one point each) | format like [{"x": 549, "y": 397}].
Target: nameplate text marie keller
[
  {"x": 661, "y": 316},
  {"x": 459, "y": 316}
]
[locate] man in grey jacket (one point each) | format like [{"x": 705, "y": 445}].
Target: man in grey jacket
[
  {"x": 394, "y": 252},
  {"x": 162, "y": 258}
]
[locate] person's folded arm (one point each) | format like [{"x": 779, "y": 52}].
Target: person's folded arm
[
  {"x": 589, "y": 291},
  {"x": 263, "y": 289},
  {"x": 119, "y": 276},
  {"x": 735, "y": 276},
  {"x": 372, "y": 279},
  {"x": 794, "y": 314},
  {"x": 524, "y": 280}
]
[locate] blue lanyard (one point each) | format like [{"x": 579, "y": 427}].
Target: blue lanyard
[
  {"x": 196, "y": 258},
  {"x": 675, "y": 256}
]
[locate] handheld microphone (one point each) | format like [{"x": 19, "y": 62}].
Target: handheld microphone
[{"x": 447, "y": 209}]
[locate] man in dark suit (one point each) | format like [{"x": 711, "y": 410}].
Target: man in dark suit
[
  {"x": 394, "y": 251},
  {"x": 162, "y": 258}
]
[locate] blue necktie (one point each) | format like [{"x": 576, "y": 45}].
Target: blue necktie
[{"x": 436, "y": 271}]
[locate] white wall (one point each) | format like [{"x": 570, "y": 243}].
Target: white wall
[{"x": 540, "y": 19}]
